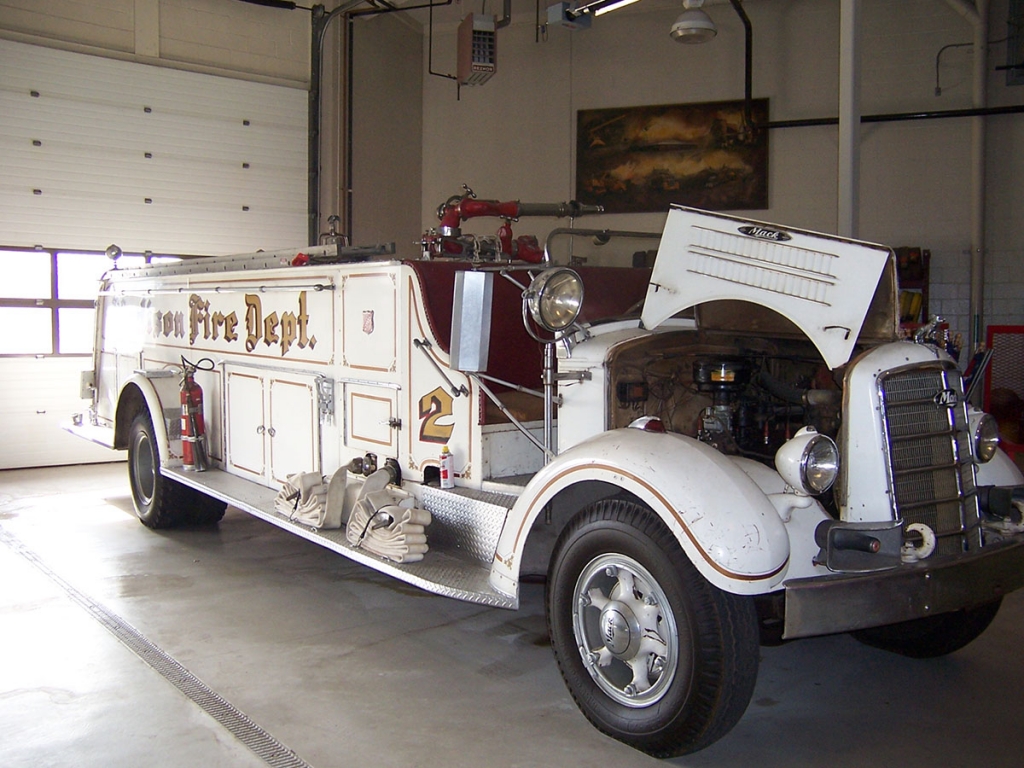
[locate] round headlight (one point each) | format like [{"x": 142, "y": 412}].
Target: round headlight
[
  {"x": 554, "y": 298},
  {"x": 820, "y": 464},
  {"x": 986, "y": 438},
  {"x": 809, "y": 462}
]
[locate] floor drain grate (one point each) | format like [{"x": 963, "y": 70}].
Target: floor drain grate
[{"x": 269, "y": 749}]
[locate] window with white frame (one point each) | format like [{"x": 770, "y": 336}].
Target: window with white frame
[{"x": 48, "y": 299}]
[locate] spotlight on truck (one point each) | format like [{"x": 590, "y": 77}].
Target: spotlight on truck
[{"x": 554, "y": 298}]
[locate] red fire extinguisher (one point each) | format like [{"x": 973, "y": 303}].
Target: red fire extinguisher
[{"x": 194, "y": 455}]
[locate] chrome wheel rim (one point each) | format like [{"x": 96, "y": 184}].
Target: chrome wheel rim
[{"x": 625, "y": 630}]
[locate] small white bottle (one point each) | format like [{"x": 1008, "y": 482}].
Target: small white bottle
[{"x": 447, "y": 468}]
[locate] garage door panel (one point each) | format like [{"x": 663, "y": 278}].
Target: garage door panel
[
  {"x": 101, "y": 137},
  {"x": 97, "y": 151}
]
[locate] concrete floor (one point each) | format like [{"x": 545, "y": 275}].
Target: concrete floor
[{"x": 347, "y": 667}]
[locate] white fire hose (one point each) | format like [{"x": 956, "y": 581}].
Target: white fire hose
[{"x": 383, "y": 519}]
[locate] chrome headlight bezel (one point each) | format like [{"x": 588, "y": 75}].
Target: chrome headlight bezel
[
  {"x": 986, "y": 438},
  {"x": 554, "y": 298},
  {"x": 809, "y": 462}
]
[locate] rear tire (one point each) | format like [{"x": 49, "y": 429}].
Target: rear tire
[
  {"x": 932, "y": 636},
  {"x": 159, "y": 501},
  {"x": 652, "y": 653}
]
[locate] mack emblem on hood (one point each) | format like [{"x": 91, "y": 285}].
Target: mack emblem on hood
[
  {"x": 947, "y": 398},
  {"x": 764, "y": 233}
]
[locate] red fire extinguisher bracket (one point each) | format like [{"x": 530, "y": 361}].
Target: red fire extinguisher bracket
[{"x": 194, "y": 453}]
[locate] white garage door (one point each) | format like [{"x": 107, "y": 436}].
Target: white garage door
[{"x": 97, "y": 151}]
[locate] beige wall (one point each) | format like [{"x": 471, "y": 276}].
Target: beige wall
[
  {"x": 514, "y": 136},
  {"x": 388, "y": 133}
]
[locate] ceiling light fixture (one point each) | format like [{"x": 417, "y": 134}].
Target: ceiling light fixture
[
  {"x": 693, "y": 24},
  {"x": 613, "y": 6},
  {"x": 593, "y": 8}
]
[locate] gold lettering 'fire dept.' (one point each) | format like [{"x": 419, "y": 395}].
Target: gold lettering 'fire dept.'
[{"x": 285, "y": 330}]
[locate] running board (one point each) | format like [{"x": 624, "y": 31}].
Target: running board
[
  {"x": 100, "y": 435},
  {"x": 443, "y": 572}
]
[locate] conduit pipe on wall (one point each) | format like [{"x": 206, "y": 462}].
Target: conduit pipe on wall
[
  {"x": 977, "y": 14},
  {"x": 896, "y": 117},
  {"x": 848, "y": 192},
  {"x": 320, "y": 21},
  {"x": 748, "y": 65}
]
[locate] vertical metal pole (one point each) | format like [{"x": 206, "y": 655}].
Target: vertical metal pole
[
  {"x": 848, "y": 193},
  {"x": 549, "y": 402},
  {"x": 748, "y": 68},
  {"x": 978, "y": 153},
  {"x": 320, "y": 21},
  {"x": 318, "y": 24},
  {"x": 349, "y": 98}
]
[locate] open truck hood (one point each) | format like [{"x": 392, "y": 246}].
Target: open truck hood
[{"x": 824, "y": 285}]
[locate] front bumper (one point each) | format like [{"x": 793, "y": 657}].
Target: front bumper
[{"x": 824, "y": 605}]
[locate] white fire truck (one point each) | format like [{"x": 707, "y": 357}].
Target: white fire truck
[{"x": 730, "y": 447}]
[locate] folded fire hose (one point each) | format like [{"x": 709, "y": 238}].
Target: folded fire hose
[
  {"x": 303, "y": 498},
  {"x": 383, "y": 519},
  {"x": 387, "y": 523}
]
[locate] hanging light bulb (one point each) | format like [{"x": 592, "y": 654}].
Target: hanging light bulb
[{"x": 693, "y": 24}]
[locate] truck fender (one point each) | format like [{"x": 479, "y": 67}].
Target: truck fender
[
  {"x": 140, "y": 391},
  {"x": 1000, "y": 471},
  {"x": 724, "y": 522}
]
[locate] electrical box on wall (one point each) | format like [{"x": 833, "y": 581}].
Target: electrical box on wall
[
  {"x": 477, "y": 49},
  {"x": 558, "y": 14}
]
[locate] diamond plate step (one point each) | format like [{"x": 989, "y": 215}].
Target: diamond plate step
[{"x": 450, "y": 568}]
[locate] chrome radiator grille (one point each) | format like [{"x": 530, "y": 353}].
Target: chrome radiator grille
[{"x": 931, "y": 466}]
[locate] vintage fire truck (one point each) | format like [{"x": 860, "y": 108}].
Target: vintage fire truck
[{"x": 732, "y": 446}]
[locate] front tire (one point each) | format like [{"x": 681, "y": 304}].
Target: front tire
[
  {"x": 932, "y": 636},
  {"x": 159, "y": 501},
  {"x": 652, "y": 653}
]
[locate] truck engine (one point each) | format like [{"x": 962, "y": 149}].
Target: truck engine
[{"x": 743, "y": 396}]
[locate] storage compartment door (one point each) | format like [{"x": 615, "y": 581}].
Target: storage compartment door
[
  {"x": 246, "y": 424},
  {"x": 372, "y": 418},
  {"x": 294, "y": 428}
]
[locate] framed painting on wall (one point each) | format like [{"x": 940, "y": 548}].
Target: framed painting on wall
[{"x": 641, "y": 159}]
